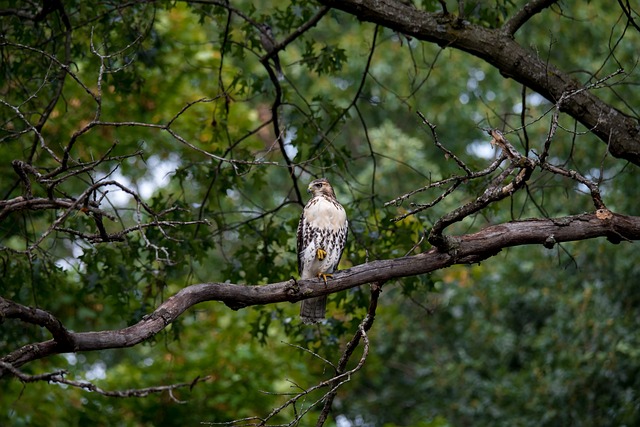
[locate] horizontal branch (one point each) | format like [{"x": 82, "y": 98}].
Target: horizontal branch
[
  {"x": 57, "y": 377},
  {"x": 21, "y": 203},
  {"x": 498, "y": 48},
  {"x": 465, "y": 249}
]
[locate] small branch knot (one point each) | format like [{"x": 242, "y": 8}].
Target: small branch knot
[
  {"x": 292, "y": 287},
  {"x": 549, "y": 242}
]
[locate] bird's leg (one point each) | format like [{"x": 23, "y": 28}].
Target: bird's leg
[
  {"x": 321, "y": 253},
  {"x": 324, "y": 276}
]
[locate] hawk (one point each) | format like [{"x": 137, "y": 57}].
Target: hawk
[{"x": 322, "y": 234}]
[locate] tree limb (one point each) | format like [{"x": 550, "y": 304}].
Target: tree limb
[
  {"x": 13, "y": 310},
  {"x": 57, "y": 377},
  {"x": 465, "y": 249},
  {"x": 498, "y": 48},
  {"x": 524, "y": 14}
]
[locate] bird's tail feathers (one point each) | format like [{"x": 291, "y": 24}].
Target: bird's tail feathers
[{"x": 313, "y": 310}]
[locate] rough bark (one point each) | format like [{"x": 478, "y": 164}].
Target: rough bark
[
  {"x": 498, "y": 47},
  {"x": 470, "y": 248}
]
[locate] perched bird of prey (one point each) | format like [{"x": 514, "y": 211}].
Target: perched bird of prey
[{"x": 322, "y": 234}]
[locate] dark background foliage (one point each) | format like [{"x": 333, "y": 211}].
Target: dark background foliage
[{"x": 165, "y": 111}]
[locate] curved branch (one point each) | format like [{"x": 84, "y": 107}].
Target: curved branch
[
  {"x": 312, "y": 22},
  {"x": 627, "y": 12},
  {"x": 524, "y": 14},
  {"x": 36, "y": 316},
  {"x": 498, "y": 48},
  {"x": 364, "y": 327},
  {"x": 465, "y": 249},
  {"x": 277, "y": 103}
]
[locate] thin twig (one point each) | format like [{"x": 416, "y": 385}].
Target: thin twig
[
  {"x": 57, "y": 377},
  {"x": 365, "y": 325}
]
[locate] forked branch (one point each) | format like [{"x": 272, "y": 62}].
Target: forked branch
[
  {"x": 464, "y": 249},
  {"x": 512, "y": 178}
]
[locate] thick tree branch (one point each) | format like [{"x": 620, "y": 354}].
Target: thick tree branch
[
  {"x": 465, "y": 249},
  {"x": 497, "y": 47}
]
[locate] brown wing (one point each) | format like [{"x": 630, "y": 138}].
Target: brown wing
[
  {"x": 300, "y": 242},
  {"x": 341, "y": 241}
]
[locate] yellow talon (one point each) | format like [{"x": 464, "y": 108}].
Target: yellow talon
[
  {"x": 321, "y": 254},
  {"x": 324, "y": 275}
]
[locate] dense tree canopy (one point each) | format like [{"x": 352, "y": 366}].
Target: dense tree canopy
[{"x": 154, "y": 158}]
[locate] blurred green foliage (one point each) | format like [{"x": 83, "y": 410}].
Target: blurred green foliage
[{"x": 530, "y": 337}]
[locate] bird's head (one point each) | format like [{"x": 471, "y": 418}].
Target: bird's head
[{"x": 320, "y": 186}]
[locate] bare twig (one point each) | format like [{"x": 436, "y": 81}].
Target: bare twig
[
  {"x": 519, "y": 168},
  {"x": 448, "y": 153},
  {"x": 26, "y": 378},
  {"x": 314, "y": 354},
  {"x": 57, "y": 377},
  {"x": 450, "y": 184},
  {"x": 119, "y": 235},
  {"x": 32, "y": 128},
  {"x": 495, "y": 191},
  {"x": 333, "y": 383},
  {"x": 365, "y": 325},
  {"x": 626, "y": 8}
]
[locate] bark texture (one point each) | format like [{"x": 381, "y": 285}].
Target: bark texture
[
  {"x": 466, "y": 249},
  {"x": 499, "y": 48}
]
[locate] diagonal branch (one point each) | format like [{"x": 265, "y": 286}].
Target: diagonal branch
[
  {"x": 341, "y": 377},
  {"x": 497, "y": 190},
  {"x": 528, "y": 10},
  {"x": 626, "y": 8},
  {"x": 367, "y": 322},
  {"x": 495, "y": 46},
  {"x": 465, "y": 249},
  {"x": 312, "y": 22}
]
